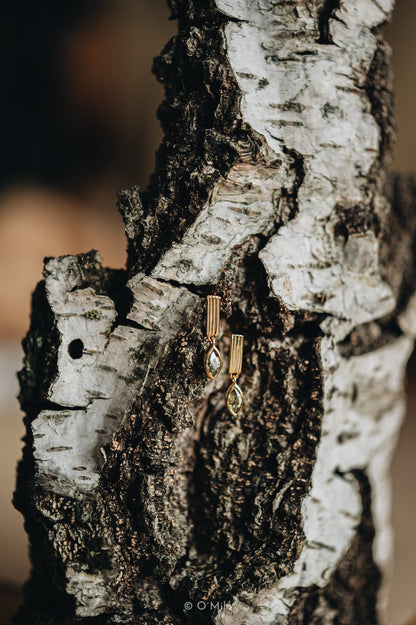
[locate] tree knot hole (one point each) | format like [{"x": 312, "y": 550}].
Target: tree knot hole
[{"x": 76, "y": 349}]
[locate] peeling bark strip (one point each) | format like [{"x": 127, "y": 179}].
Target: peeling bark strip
[{"x": 145, "y": 501}]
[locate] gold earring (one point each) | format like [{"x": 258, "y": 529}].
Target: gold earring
[
  {"x": 213, "y": 359},
  {"x": 234, "y": 395}
]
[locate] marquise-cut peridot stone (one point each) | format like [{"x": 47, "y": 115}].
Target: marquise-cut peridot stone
[
  {"x": 213, "y": 362},
  {"x": 234, "y": 399}
]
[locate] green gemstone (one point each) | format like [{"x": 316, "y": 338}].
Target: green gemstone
[
  {"x": 234, "y": 399},
  {"x": 213, "y": 362}
]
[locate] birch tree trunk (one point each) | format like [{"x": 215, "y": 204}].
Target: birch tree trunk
[{"x": 145, "y": 501}]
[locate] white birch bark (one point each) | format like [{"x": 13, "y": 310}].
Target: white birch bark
[{"x": 307, "y": 104}]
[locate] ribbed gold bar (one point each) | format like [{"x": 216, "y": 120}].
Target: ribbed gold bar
[
  {"x": 213, "y": 316},
  {"x": 236, "y": 354}
]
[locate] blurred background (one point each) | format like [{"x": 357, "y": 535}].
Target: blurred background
[{"x": 78, "y": 113}]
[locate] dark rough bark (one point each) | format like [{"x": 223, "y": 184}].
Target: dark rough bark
[
  {"x": 192, "y": 504},
  {"x": 204, "y": 136}
]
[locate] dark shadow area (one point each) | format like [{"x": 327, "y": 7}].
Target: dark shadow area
[{"x": 76, "y": 88}]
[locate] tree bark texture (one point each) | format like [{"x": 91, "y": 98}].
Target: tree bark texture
[{"x": 144, "y": 500}]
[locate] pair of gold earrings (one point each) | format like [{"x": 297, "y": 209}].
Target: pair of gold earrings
[{"x": 213, "y": 360}]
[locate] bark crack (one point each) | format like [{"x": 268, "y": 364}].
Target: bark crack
[{"x": 326, "y": 14}]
